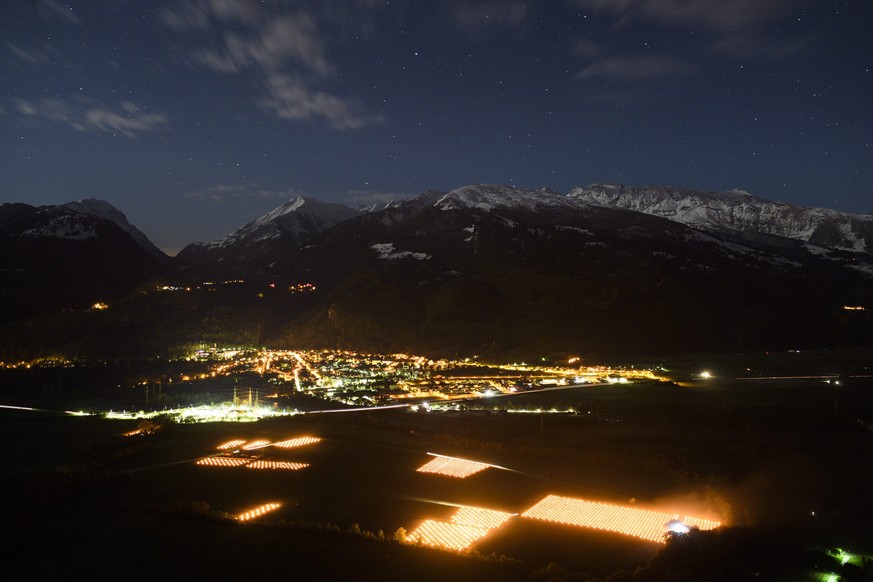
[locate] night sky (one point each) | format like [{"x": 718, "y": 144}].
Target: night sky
[{"x": 194, "y": 116}]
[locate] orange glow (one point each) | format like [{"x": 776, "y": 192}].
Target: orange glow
[
  {"x": 641, "y": 523},
  {"x": 258, "y": 511},
  {"x": 451, "y": 467},
  {"x": 230, "y": 445},
  {"x": 480, "y": 517},
  {"x": 258, "y": 444},
  {"x": 276, "y": 465},
  {"x": 298, "y": 442},
  {"x": 450, "y": 536},
  {"x": 222, "y": 462},
  {"x": 468, "y": 525}
]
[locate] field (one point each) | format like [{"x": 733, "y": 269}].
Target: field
[{"x": 779, "y": 455}]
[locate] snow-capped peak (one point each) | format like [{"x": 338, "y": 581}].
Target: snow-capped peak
[
  {"x": 81, "y": 219},
  {"x": 106, "y": 211},
  {"x": 290, "y": 206},
  {"x": 736, "y": 210},
  {"x": 297, "y": 217},
  {"x": 489, "y": 197}
]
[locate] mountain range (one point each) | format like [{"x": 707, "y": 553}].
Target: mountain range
[{"x": 481, "y": 269}]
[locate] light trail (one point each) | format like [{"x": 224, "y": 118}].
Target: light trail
[
  {"x": 29, "y": 409},
  {"x": 10, "y": 407},
  {"x": 362, "y": 409},
  {"x": 822, "y": 377},
  {"x": 469, "y": 461}
]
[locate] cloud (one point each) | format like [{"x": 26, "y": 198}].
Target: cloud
[
  {"x": 201, "y": 14},
  {"x": 33, "y": 56},
  {"x": 738, "y": 28},
  {"x": 86, "y": 115},
  {"x": 718, "y": 15},
  {"x": 270, "y": 46},
  {"x": 290, "y": 98},
  {"x": 480, "y": 17},
  {"x": 222, "y": 192},
  {"x": 185, "y": 17},
  {"x": 630, "y": 68},
  {"x": 587, "y": 48},
  {"x": 64, "y": 13},
  {"x": 285, "y": 49}
]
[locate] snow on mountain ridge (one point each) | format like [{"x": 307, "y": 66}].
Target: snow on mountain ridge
[
  {"x": 63, "y": 226},
  {"x": 489, "y": 197},
  {"x": 739, "y": 211},
  {"x": 82, "y": 219},
  {"x": 106, "y": 211},
  {"x": 290, "y": 206},
  {"x": 298, "y": 216}
]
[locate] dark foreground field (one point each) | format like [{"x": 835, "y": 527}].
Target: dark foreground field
[
  {"x": 785, "y": 460},
  {"x": 144, "y": 515}
]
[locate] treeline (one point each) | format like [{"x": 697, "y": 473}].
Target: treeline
[{"x": 201, "y": 509}]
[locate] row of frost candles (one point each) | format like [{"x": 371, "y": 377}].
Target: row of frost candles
[
  {"x": 262, "y": 443},
  {"x": 468, "y": 525},
  {"x": 258, "y": 511},
  {"x": 641, "y": 523},
  {"x": 452, "y": 467}
]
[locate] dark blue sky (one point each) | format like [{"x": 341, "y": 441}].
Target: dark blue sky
[{"x": 194, "y": 116}]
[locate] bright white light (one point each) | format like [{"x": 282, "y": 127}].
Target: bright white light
[
  {"x": 705, "y": 374},
  {"x": 678, "y": 527}
]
